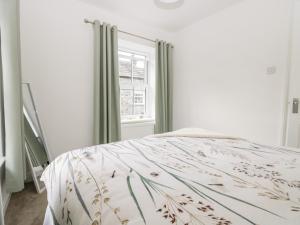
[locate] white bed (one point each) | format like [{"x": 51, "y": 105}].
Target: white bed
[{"x": 188, "y": 177}]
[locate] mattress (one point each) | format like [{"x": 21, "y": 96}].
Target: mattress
[{"x": 190, "y": 177}]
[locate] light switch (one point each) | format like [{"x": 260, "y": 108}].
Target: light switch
[
  {"x": 271, "y": 70},
  {"x": 295, "y": 105}
]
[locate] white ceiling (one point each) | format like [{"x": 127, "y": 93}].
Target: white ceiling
[{"x": 171, "y": 20}]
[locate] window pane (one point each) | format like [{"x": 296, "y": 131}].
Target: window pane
[
  {"x": 142, "y": 57},
  {"x": 124, "y": 66},
  {"x": 139, "y": 97},
  {"x": 138, "y": 82},
  {"x": 139, "y": 109},
  {"x": 139, "y": 102},
  {"x": 139, "y": 66},
  {"x": 126, "y": 99},
  {"x": 121, "y": 53},
  {"x": 125, "y": 81}
]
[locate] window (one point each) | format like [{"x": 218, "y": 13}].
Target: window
[{"x": 136, "y": 91}]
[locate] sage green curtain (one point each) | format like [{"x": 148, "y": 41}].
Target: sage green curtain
[
  {"x": 107, "y": 125},
  {"x": 11, "y": 66},
  {"x": 164, "y": 87}
]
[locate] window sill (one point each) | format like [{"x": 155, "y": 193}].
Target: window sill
[{"x": 138, "y": 122}]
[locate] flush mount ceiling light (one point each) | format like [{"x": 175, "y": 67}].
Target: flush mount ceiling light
[{"x": 169, "y": 4}]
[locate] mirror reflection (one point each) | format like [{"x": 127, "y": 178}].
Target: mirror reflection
[{"x": 35, "y": 145}]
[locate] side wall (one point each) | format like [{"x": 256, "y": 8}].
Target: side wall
[{"x": 221, "y": 64}]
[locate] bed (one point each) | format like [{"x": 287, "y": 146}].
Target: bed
[{"x": 188, "y": 177}]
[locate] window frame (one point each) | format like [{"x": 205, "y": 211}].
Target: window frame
[{"x": 133, "y": 88}]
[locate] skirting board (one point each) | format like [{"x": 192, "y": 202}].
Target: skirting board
[{"x": 6, "y": 201}]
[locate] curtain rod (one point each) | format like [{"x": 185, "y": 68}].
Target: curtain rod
[{"x": 125, "y": 32}]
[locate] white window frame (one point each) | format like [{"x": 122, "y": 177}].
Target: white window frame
[{"x": 149, "y": 91}]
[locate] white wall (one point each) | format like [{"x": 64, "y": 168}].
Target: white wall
[
  {"x": 220, "y": 71},
  {"x": 138, "y": 130},
  {"x": 220, "y": 68},
  {"x": 57, "y": 53}
]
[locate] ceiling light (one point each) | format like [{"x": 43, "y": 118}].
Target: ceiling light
[{"x": 169, "y": 4}]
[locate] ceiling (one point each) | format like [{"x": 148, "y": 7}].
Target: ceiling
[{"x": 172, "y": 19}]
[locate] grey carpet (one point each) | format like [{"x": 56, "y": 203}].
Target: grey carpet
[{"x": 26, "y": 207}]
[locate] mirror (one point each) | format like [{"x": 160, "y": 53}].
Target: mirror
[{"x": 35, "y": 145}]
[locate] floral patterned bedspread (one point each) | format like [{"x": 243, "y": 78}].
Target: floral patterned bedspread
[{"x": 175, "y": 180}]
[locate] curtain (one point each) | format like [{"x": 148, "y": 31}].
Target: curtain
[
  {"x": 164, "y": 88},
  {"x": 11, "y": 66},
  {"x": 107, "y": 125}
]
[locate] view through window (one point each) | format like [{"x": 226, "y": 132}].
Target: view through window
[{"x": 135, "y": 93}]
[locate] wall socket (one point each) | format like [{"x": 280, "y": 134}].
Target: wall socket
[{"x": 271, "y": 70}]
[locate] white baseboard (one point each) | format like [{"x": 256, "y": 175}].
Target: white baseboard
[{"x": 6, "y": 200}]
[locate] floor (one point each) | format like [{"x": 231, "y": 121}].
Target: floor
[{"x": 26, "y": 207}]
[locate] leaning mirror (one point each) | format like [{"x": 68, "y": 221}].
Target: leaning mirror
[{"x": 35, "y": 144}]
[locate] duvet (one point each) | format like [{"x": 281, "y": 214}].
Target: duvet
[{"x": 184, "y": 178}]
